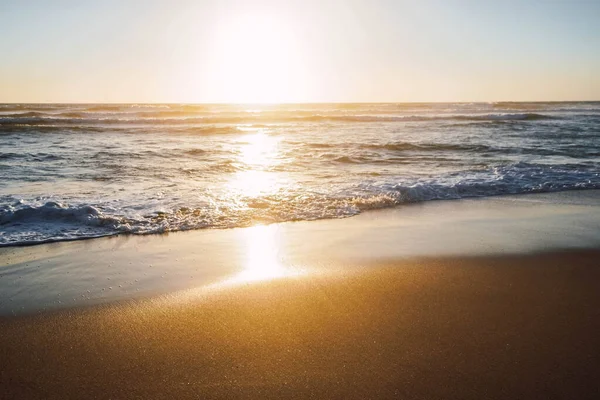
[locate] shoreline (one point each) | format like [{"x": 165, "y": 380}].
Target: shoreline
[
  {"x": 112, "y": 269},
  {"x": 572, "y": 193}
]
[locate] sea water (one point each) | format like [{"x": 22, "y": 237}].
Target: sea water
[{"x": 72, "y": 171}]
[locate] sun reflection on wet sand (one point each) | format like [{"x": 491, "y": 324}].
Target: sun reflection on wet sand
[
  {"x": 263, "y": 248},
  {"x": 263, "y": 256}
]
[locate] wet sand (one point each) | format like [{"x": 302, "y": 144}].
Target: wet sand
[
  {"x": 106, "y": 270},
  {"x": 485, "y": 327}
]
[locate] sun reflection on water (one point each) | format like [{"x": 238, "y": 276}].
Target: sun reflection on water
[
  {"x": 257, "y": 155},
  {"x": 254, "y": 183},
  {"x": 262, "y": 246},
  {"x": 259, "y": 150}
]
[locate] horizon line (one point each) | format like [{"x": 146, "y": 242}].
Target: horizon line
[{"x": 303, "y": 102}]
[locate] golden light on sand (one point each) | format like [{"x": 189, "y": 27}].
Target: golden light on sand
[
  {"x": 257, "y": 58},
  {"x": 261, "y": 258},
  {"x": 262, "y": 245}
]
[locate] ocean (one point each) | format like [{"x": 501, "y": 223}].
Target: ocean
[{"x": 74, "y": 171}]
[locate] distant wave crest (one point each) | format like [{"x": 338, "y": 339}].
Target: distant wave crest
[{"x": 76, "y": 119}]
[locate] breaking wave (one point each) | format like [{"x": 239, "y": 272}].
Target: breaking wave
[{"x": 22, "y": 223}]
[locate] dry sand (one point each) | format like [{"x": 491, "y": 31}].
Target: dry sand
[{"x": 509, "y": 327}]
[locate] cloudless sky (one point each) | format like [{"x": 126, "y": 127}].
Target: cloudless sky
[{"x": 298, "y": 51}]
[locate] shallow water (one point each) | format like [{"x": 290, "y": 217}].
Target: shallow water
[{"x": 78, "y": 171}]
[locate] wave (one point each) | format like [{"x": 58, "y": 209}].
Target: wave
[
  {"x": 33, "y": 120},
  {"x": 26, "y": 114},
  {"x": 10, "y": 156},
  {"x": 575, "y": 151},
  {"x": 406, "y": 146},
  {"x": 506, "y": 117},
  {"x": 31, "y": 156},
  {"x": 548, "y": 106},
  {"x": 418, "y": 118},
  {"x": 55, "y": 211},
  {"x": 52, "y": 221},
  {"x": 124, "y": 107},
  {"x": 73, "y": 126},
  {"x": 348, "y": 160},
  {"x": 399, "y": 146},
  {"x": 195, "y": 152}
]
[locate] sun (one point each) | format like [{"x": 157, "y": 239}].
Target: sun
[{"x": 257, "y": 58}]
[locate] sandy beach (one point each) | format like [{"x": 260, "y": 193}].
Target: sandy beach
[
  {"x": 469, "y": 328},
  {"x": 491, "y": 298},
  {"x": 299, "y": 199}
]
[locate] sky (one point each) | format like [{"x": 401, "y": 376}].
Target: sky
[{"x": 266, "y": 51}]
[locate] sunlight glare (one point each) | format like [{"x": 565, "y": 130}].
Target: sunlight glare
[
  {"x": 262, "y": 254},
  {"x": 254, "y": 183},
  {"x": 257, "y": 58},
  {"x": 262, "y": 257},
  {"x": 258, "y": 153},
  {"x": 260, "y": 150}
]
